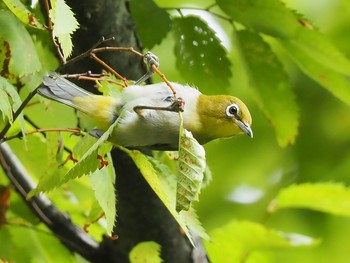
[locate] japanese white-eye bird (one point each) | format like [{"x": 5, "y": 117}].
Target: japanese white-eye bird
[{"x": 143, "y": 122}]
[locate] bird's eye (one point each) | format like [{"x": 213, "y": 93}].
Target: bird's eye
[{"x": 232, "y": 110}]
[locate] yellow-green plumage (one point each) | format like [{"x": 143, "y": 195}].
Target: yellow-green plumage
[
  {"x": 211, "y": 111},
  {"x": 100, "y": 108}
]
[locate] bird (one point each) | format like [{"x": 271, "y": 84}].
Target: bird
[{"x": 145, "y": 117}]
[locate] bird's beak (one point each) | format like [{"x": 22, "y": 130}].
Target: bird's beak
[{"x": 245, "y": 128}]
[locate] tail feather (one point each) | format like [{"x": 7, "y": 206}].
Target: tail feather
[
  {"x": 102, "y": 109},
  {"x": 58, "y": 88}
]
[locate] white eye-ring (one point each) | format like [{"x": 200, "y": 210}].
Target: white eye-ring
[{"x": 232, "y": 110}]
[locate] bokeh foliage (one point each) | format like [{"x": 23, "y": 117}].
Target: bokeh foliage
[{"x": 287, "y": 60}]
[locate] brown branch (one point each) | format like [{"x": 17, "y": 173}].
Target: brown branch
[
  {"x": 50, "y": 27},
  {"x": 104, "y": 64},
  {"x": 47, "y": 9},
  {"x": 72, "y": 236},
  {"x": 92, "y": 77},
  {"x": 155, "y": 69}
]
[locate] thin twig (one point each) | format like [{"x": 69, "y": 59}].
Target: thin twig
[
  {"x": 88, "y": 74},
  {"x": 76, "y": 131},
  {"x": 126, "y": 49},
  {"x": 92, "y": 77},
  {"x": 47, "y": 8},
  {"x": 86, "y": 53},
  {"x": 27, "y": 119},
  {"x": 72, "y": 130},
  {"x": 97, "y": 59},
  {"x": 50, "y": 27},
  {"x": 164, "y": 79}
]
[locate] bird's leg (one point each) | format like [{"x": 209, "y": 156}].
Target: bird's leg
[
  {"x": 150, "y": 59},
  {"x": 176, "y": 106}
]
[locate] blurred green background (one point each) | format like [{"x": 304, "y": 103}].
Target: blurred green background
[{"x": 248, "y": 173}]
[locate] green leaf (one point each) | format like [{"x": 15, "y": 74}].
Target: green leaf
[
  {"x": 271, "y": 86},
  {"x": 332, "y": 198},
  {"x": 190, "y": 170},
  {"x": 18, "y": 56},
  {"x": 146, "y": 252},
  {"x": 64, "y": 25},
  {"x": 321, "y": 61},
  {"x": 242, "y": 239},
  {"x": 23, "y": 14},
  {"x": 199, "y": 53},
  {"x": 152, "y": 22},
  {"x": 83, "y": 146},
  {"x": 88, "y": 162},
  {"x": 168, "y": 179},
  {"x": 191, "y": 220},
  {"x": 10, "y": 101},
  {"x": 271, "y": 17},
  {"x": 52, "y": 175},
  {"x": 39, "y": 246},
  {"x": 147, "y": 170},
  {"x": 5, "y": 105},
  {"x": 102, "y": 182}
]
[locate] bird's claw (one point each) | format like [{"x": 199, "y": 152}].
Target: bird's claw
[
  {"x": 178, "y": 105},
  {"x": 150, "y": 59}
]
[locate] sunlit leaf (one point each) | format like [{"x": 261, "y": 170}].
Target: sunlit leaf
[
  {"x": 5, "y": 105},
  {"x": 18, "y": 56},
  {"x": 267, "y": 16},
  {"x": 64, "y": 25},
  {"x": 87, "y": 164},
  {"x": 21, "y": 11},
  {"x": 82, "y": 146},
  {"x": 152, "y": 22},
  {"x": 39, "y": 246},
  {"x": 333, "y": 198},
  {"x": 191, "y": 220},
  {"x": 147, "y": 170},
  {"x": 321, "y": 61},
  {"x": 89, "y": 161},
  {"x": 52, "y": 175},
  {"x": 200, "y": 57},
  {"x": 168, "y": 179},
  {"x": 146, "y": 252},
  {"x": 241, "y": 239},
  {"x": 10, "y": 101},
  {"x": 271, "y": 86},
  {"x": 190, "y": 172},
  {"x": 102, "y": 182}
]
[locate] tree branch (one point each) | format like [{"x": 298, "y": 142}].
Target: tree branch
[{"x": 72, "y": 236}]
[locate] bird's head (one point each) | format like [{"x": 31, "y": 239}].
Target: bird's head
[{"x": 222, "y": 116}]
